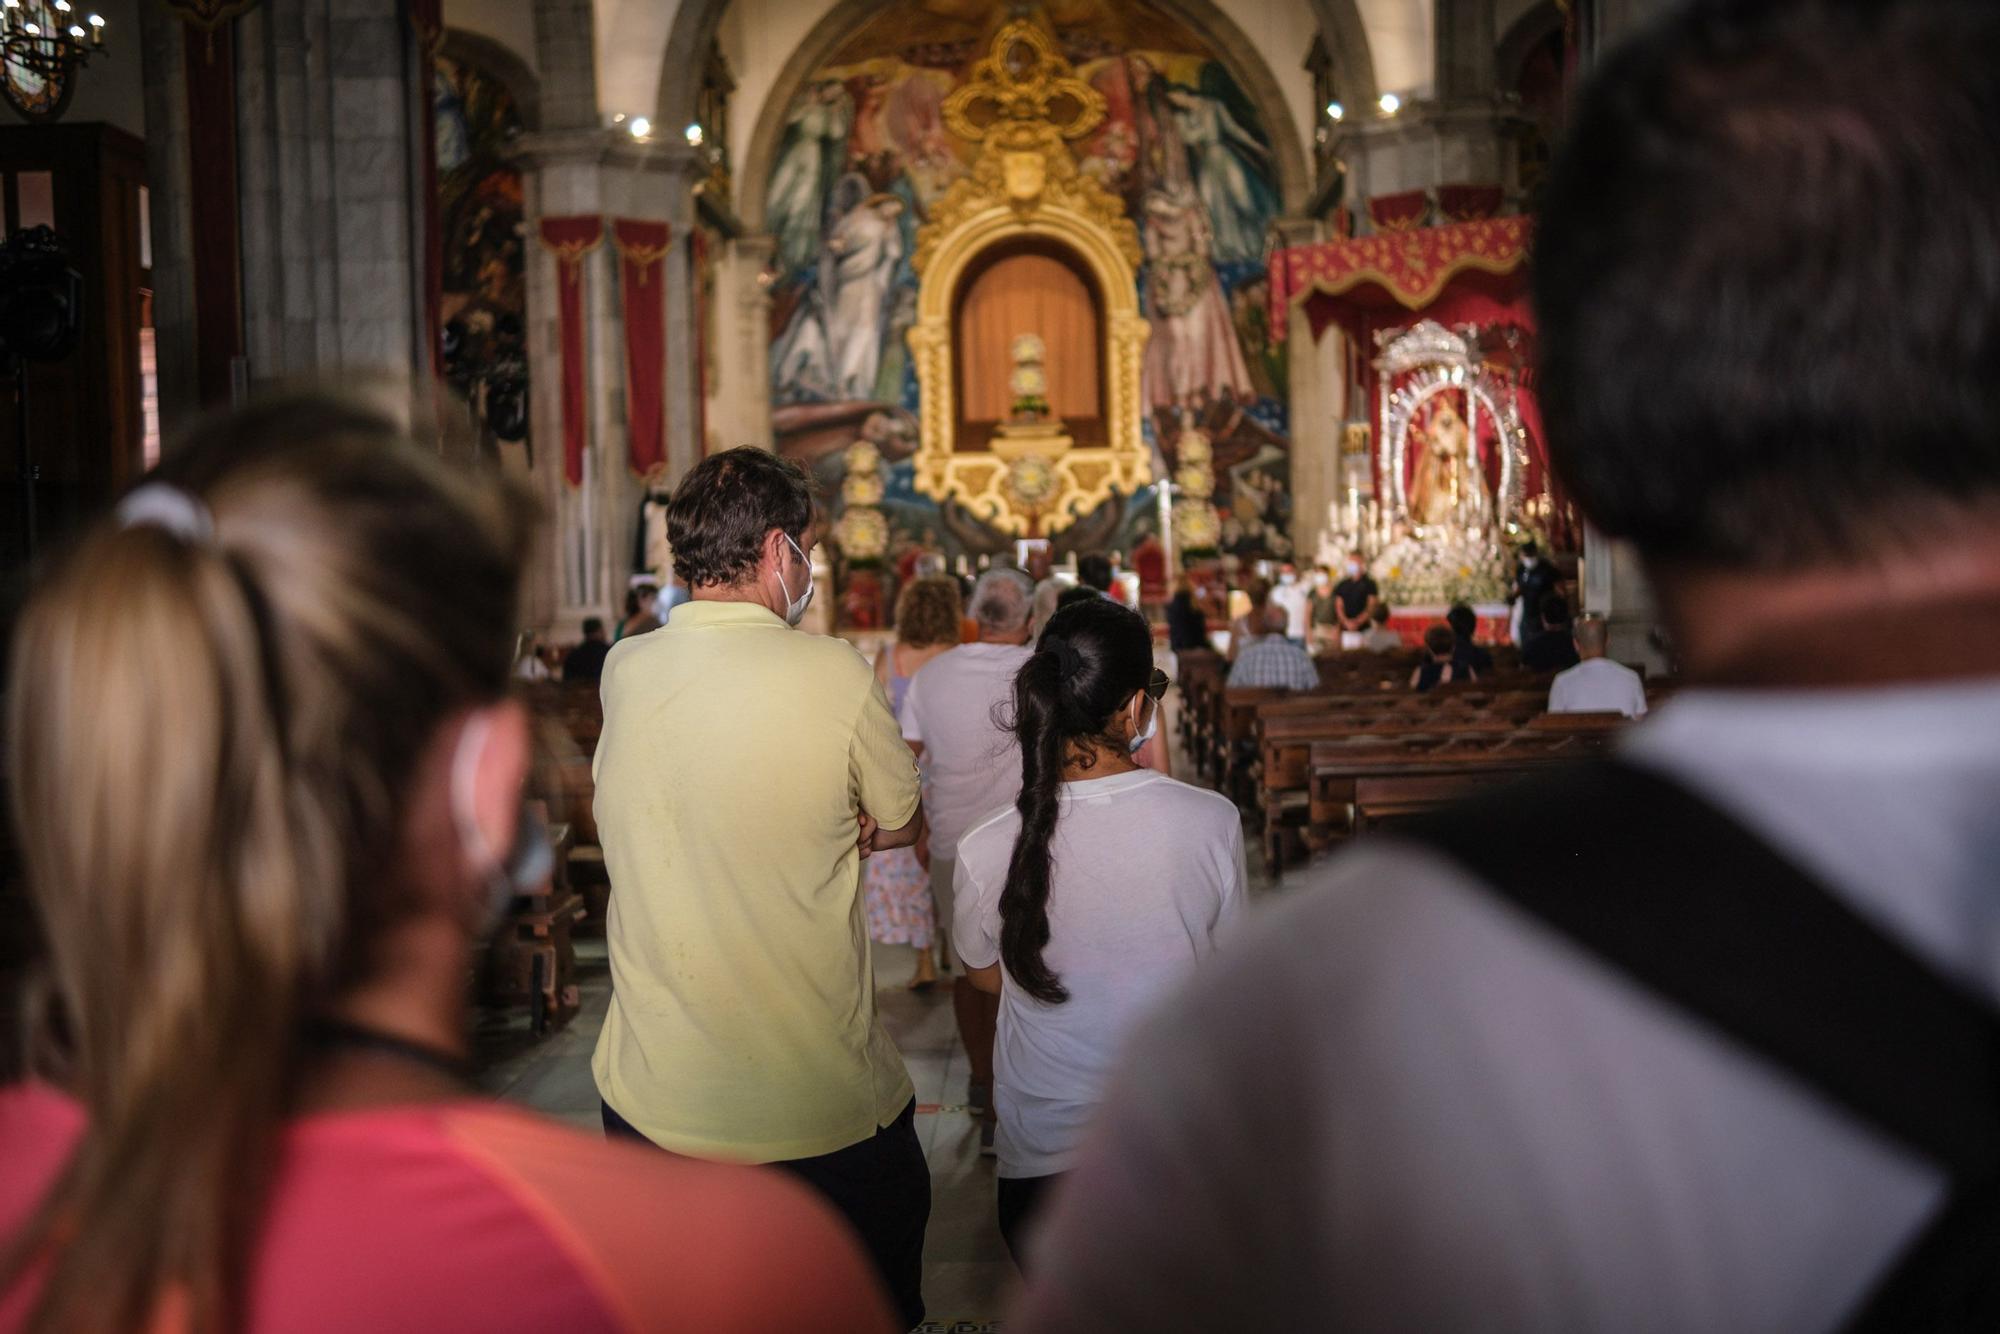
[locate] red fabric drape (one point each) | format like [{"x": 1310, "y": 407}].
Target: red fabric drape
[
  {"x": 1399, "y": 212},
  {"x": 642, "y": 272},
  {"x": 1407, "y": 269},
  {"x": 569, "y": 240}
]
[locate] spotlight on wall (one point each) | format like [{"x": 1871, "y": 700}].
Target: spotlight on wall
[
  {"x": 1390, "y": 104},
  {"x": 693, "y": 133},
  {"x": 1334, "y": 111},
  {"x": 639, "y": 127}
]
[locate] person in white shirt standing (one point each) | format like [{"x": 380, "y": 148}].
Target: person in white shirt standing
[
  {"x": 1100, "y": 889},
  {"x": 1597, "y": 684},
  {"x": 968, "y": 757},
  {"x": 1296, "y": 599}
]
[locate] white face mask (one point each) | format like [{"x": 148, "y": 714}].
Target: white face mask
[
  {"x": 795, "y": 607},
  {"x": 1152, "y": 726},
  {"x": 1354, "y": 569},
  {"x": 526, "y": 865}
]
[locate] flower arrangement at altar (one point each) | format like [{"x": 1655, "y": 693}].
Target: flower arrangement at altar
[
  {"x": 1197, "y": 527},
  {"x": 1467, "y": 567},
  {"x": 862, "y": 533}
]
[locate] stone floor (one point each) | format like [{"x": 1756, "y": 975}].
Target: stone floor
[{"x": 968, "y": 1277}]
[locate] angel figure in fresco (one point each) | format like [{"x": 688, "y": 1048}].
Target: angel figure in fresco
[
  {"x": 1193, "y": 355},
  {"x": 1447, "y": 488},
  {"x": 809, "y": 160},
  {"x": 1231, "y": 168},
  {"x": 861, "y": 254}
]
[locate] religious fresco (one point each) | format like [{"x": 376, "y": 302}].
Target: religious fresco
[
  {"x": 866, "y": 153},
  {"x": 479, "y": 211}
]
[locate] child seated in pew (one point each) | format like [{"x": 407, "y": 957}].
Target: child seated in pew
[
  {"x": 1437, "y": 668},
  {"x": 270, "y": 805}
]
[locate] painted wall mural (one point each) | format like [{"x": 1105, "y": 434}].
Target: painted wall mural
[
  {"x": 865, "y": 154},
  {"x": 479, "y": 210}
]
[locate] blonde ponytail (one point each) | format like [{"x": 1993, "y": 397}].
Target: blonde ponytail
[{"x": 210, "y": 736}]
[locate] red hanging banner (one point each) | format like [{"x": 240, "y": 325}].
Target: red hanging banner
[
  {"x": 569, "y": 240},
  {"x": 642, "y": 253}
]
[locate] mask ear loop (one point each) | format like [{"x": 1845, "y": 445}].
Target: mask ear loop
[{"x": 464, "y": 769}]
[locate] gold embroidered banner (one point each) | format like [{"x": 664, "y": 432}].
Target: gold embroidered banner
[{"x": 1413, "y": 267}]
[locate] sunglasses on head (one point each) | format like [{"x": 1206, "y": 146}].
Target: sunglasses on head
[{"x": 1156, "y": 688}]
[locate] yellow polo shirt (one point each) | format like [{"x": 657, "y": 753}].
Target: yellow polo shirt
[{"x": 736, "y": 755}]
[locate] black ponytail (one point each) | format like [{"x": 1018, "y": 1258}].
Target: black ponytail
[{"x": 1092, "y": 657}]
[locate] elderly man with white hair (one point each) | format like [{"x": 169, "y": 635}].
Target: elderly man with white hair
[
  {"x": 1597, "y": 684},
  {"x": 953, "y": 718}
]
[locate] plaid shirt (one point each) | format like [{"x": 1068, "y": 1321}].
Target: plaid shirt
[{"x": 1274, "y": 661}]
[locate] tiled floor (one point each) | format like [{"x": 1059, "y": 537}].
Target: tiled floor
[{"x": 968, "y": 1277}]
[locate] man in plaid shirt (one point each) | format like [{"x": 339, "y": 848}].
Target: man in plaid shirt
[{"x": 1272, "y": 660}]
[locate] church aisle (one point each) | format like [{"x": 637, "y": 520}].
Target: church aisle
[{"x": 968, "y": 1277}]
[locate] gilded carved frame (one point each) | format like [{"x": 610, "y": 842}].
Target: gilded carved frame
[{"x": 1025, "y": 183}]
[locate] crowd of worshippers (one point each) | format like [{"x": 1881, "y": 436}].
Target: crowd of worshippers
[
  {"x": 1696, "y": 1037},
  {"x": 1271, "y": 645}
]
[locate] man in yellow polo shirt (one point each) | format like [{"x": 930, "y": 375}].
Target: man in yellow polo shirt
[{"x": 744, "y": 771}]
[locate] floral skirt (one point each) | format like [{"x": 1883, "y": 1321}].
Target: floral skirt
[{"x": 897, "y": 892}]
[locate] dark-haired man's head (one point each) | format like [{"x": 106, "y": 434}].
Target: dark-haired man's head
[
  {"x": 1094, "y": 571},
  {"x": 593, "y": 628},
  {"x": 1074, "y": 594},
  {"x": 1273, "y": 620},
  {"x": 1555, "y": 611},
  {"x": 1463, "y": 620},
  {"x": 738, "y": 524},
  {"x": 1802, "y": 374},
  {"x": 1440, "y": 642},
  {"x": 1381, "y": 613}
]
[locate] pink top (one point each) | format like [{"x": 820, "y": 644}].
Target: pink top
[{"x": 469, "y": 1215}]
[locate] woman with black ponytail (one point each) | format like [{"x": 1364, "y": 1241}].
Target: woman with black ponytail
[{"x": 1098, "y": 889}]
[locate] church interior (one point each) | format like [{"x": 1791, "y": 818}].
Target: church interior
[{"x": 1225, "y": 309}]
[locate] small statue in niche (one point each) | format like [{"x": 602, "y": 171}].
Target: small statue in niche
[{"x": 1029, "y": 382}]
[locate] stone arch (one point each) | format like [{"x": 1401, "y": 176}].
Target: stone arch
[
  {"x": 696, "y": 21},
  {"x": 1522, "y": 36},
  {"x": 500, "y": 61}
]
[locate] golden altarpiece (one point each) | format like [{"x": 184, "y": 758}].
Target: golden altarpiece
[{"x": 1026, "y": 471}]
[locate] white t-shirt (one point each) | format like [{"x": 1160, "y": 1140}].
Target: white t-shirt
[
  {"x": 1147, "y": 873},
  {"x": 1296, "y": 602},
  {"x": 969, "y": 761},
  {"x": 1598, "y": 685}
]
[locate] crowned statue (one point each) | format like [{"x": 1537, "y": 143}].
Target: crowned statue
[{"x": 1448, "y": 490}]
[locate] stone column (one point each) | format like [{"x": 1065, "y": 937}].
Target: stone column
[
  {"x": 1317, "y": 401},
  {"x": 162, "y": 55},
  {"x": 1614, "y": 587},
  {"x": 333, "y": 191},
  {"x": 739, "y": 407},
  {"x": 602, "y": 173},
  {"x": 1463, "y": 47}
]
